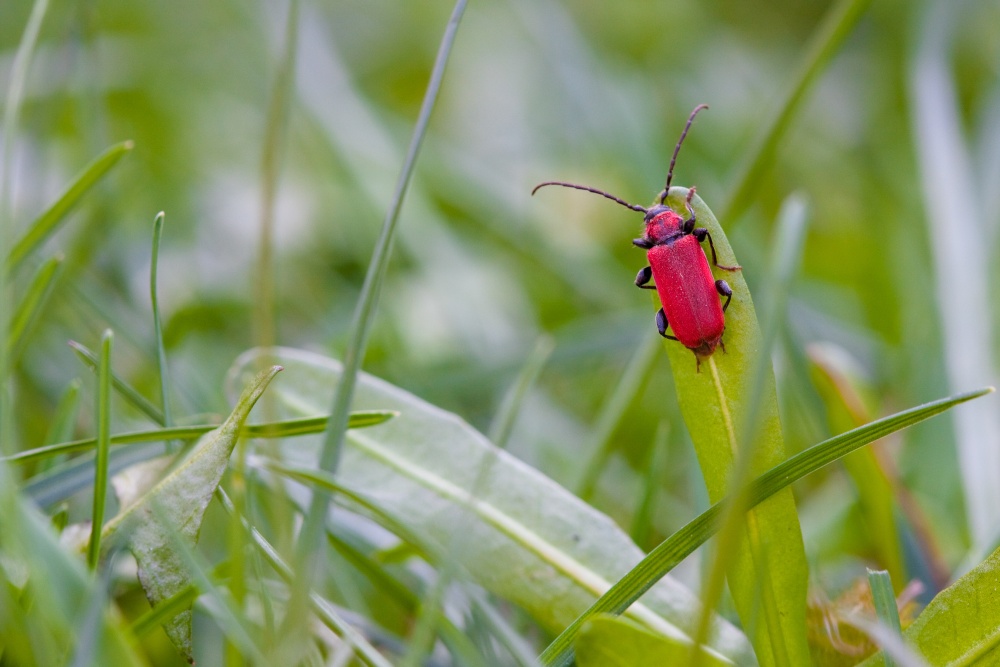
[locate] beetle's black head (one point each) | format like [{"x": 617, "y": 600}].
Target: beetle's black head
[{"x": 655, "y": 211}]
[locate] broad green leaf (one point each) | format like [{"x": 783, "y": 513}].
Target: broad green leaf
[
  {"x": 682, "y": 544},
  {"x": 716, "y": 399},
  {"x": 961, "y": 625},
  {"x": 513, "y": 530},
  {"x": 49, "y": 220},
  {"x": 610, "y": 641},
  {"x": 180, "y": 499}
]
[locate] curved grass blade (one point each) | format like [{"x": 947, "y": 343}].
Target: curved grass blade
[
  {"x": 280, "y": 429},
  {"x": 681, "y": 544},
  {"x": 838, "y": 23},
  {"x": 45, "y": 224},
  {"x": 101, "y": 460},
  {"x": 729, "y": 404}
]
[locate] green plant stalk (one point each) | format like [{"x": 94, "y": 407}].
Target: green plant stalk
[
  {"x": 836, "y": 26},
  {"x": 307, "y": 562},
  {"x": 103, "y": 441},
  {"x": 885, "y": 605},
  {"x": 161, "y": 353},
  {"x": 683, "y": 543},
  {"x": 281, "y": 429}
]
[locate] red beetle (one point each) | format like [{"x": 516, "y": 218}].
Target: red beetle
[{"x": 688, "y": 291}]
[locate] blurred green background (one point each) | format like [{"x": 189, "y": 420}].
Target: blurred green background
[{"x": 584, "y": 91}]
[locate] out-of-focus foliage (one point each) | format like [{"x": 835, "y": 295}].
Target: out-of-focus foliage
[{"x": 578, "y": 90}]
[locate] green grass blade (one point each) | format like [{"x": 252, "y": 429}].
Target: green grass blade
[
  {"x": 364, "y": 313},
  {"x": 837, "y": 24},
  {"x": 131, "y": 396},
  {"x": 103, "y": 440},
  {"x": 681, "y": 544},
  {"x": 885, "y": 604},
  {"x": 729, "y": 404},
  {"x": 281, "y": 429},
  {"x": 49, "y": 220},
  {"x": 960, "y": 625},
  {"x": 30, "y": 308},
  {"x": 161, "y": 353}
]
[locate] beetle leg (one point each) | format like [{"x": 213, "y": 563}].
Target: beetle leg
[
  {"x": 689, "y": 223},
  {"x": 723, "y": 288},
  {"x": 643, "y": 242},
  {"x": 701, "y": 234},
  {"x": 662, "y": 324},
  {"x": 642, "y": 280}
]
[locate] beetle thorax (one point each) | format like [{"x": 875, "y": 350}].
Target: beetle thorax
[{"x": 663, "y": 225}]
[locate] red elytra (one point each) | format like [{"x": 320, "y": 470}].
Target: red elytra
[{"x": 689, "y": 293}]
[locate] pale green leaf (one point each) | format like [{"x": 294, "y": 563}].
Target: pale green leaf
[{"x": 503, "y": 521}]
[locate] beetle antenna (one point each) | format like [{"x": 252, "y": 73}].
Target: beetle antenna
[
  {"x": 634, "y": 207},
  {"x": 677, "y": 149}
]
